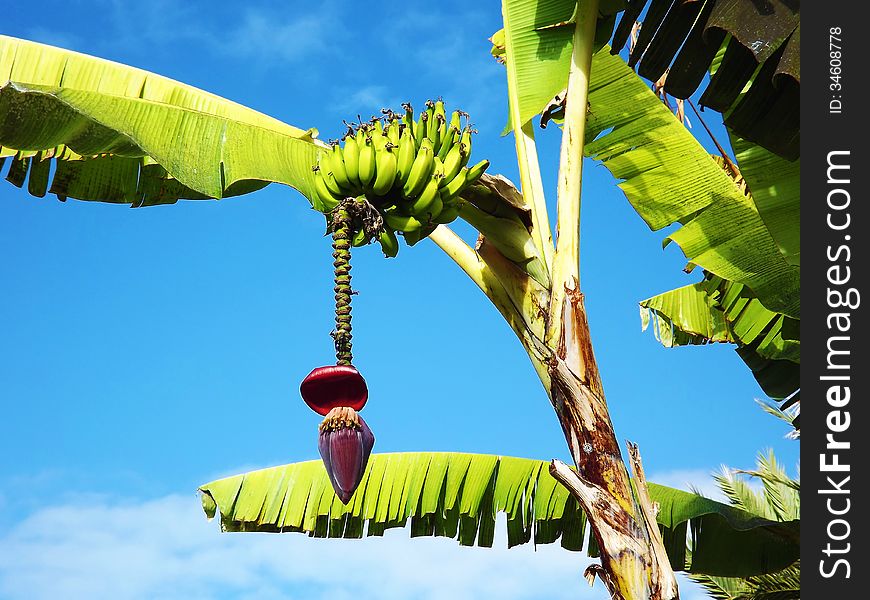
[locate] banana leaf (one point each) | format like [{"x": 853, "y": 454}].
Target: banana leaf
[
  {"x": 120, "y": 134},
  {"x": 459, "y": 495},
  {"x": 669, "y": 178},
  {"x": 685, "y": 316},
  {"x": 683, "y": 37},
  {"x": 537, "y": 40},
  {"x": 716, "y": 310},
  {"x": 537, "y": 53},
  {"x": 762, "y": 58},
  {"x": 775, "y": 186},
  {"x": 720, "y": 311}
]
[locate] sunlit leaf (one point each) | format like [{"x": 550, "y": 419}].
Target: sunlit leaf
[{"x": 458, "y": 496}]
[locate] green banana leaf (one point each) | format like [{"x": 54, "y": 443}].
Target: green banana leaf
[
  {"x": 120, "y": 134},
  {"x": 720, "y": 311},
  {"x": 684, "y": 37},
  {"x": 669, "y": 178},
  {"x": 458, "y": 496},
  {"x": 666, "y": 174},
  {"x": 537, "y": 51},
  {"x": 685, "y": 316},
  {"x": 775, "y": 186},
  {"x": 779, "y": 379},
  {"x": 680, "y": 40},
  {"x": 538, "y": 39},
  {"x": 716, "y": 310}
]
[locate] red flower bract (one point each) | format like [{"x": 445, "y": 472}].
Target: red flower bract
[
  {"x": 345, "y": 450},
  {"x": 332, "y": 386}
]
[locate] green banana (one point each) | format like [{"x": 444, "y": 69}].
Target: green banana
[
  {"x": 435, "y": 209},
  {"x": 438, "y": 109},
  {"x": 415, "y": 171},
  {"x": 476, "y": 171},
  {"x": 331, "y": 183},
  {"x": 420, "y": 170},
  {"x": 389, "y": 242},
  {"x": 385, "y": 170},
  {"x": 424, "y": 201},
  {"x": 401, "y": 222},
  {"x": 408, "y": 117},
  {"x": 432, "y": 127},
  {"x": 367, "y": 162},
  {"x": 465, "y": 145},
  {"x": 454, "y": 186},
  {"x": 438, "y": 169},
  {"x": 421, "y": 129},
  {"x": 327, "y": 199},
  {"x": 360, "y": 238},
  {"x": 412, "y": 237},
  {"x": 338, "y": 169},
  {"x": 407, "y": 152},
  {"x": 361, "y": 134},
  {"x": 324, "y": 162},
  {"x": 377, "y": 127},
  {"x": 379, "y": 141},
  {"x": 440, "y": 124},
  {"x": 451, "y": 138},
  {"x": 448, "y": 213},
  {"x": 324, "y": 170},
  {"x": 440, "y": 133},
  {"x": 452, "y": 163},
  {"x": 350, "y": 156},
  {"x": 392, "y": 132},
  {"x": 456, "y": 120}
]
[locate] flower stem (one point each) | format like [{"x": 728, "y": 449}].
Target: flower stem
[{"x": 341, "y": 236}]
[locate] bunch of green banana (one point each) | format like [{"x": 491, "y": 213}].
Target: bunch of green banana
[{"x": 412, "y": 170}]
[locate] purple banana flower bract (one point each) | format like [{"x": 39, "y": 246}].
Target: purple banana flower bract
[{"x": 345, "y": 452}]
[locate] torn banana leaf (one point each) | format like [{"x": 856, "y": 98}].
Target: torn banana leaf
[
  {"x": 458, "y": 496},
  {"x": 120, "y": 134}
]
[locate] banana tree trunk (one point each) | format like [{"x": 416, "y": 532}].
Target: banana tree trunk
[
  {"x": 634, "y": 564},
  {"x": 544, "y": 307}
]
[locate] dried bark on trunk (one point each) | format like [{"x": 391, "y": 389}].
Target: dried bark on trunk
[{"x": 634, "y": 565}]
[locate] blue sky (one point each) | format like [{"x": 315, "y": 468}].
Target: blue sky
[{"x": 144, "y": 352}]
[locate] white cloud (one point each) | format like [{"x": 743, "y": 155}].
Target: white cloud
[
  {"x": 258, "y": 34},
  {"x": 366, "y": 101},
  {"x": 689, "y": 480},
  {"x": 154, "y": 23},
  {"x": 267, "y": 37},
  {"x": 164, "y": 548},
  {"x": 53, "y": 38}
]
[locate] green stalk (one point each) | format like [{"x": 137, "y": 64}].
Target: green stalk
[
  {"x": 566, "y": 262},
  {"x": 527, "y": 159},
  {"x": 514, "y": 294}
]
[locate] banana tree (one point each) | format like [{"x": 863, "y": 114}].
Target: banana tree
[{"x": 118, "y": 134}]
